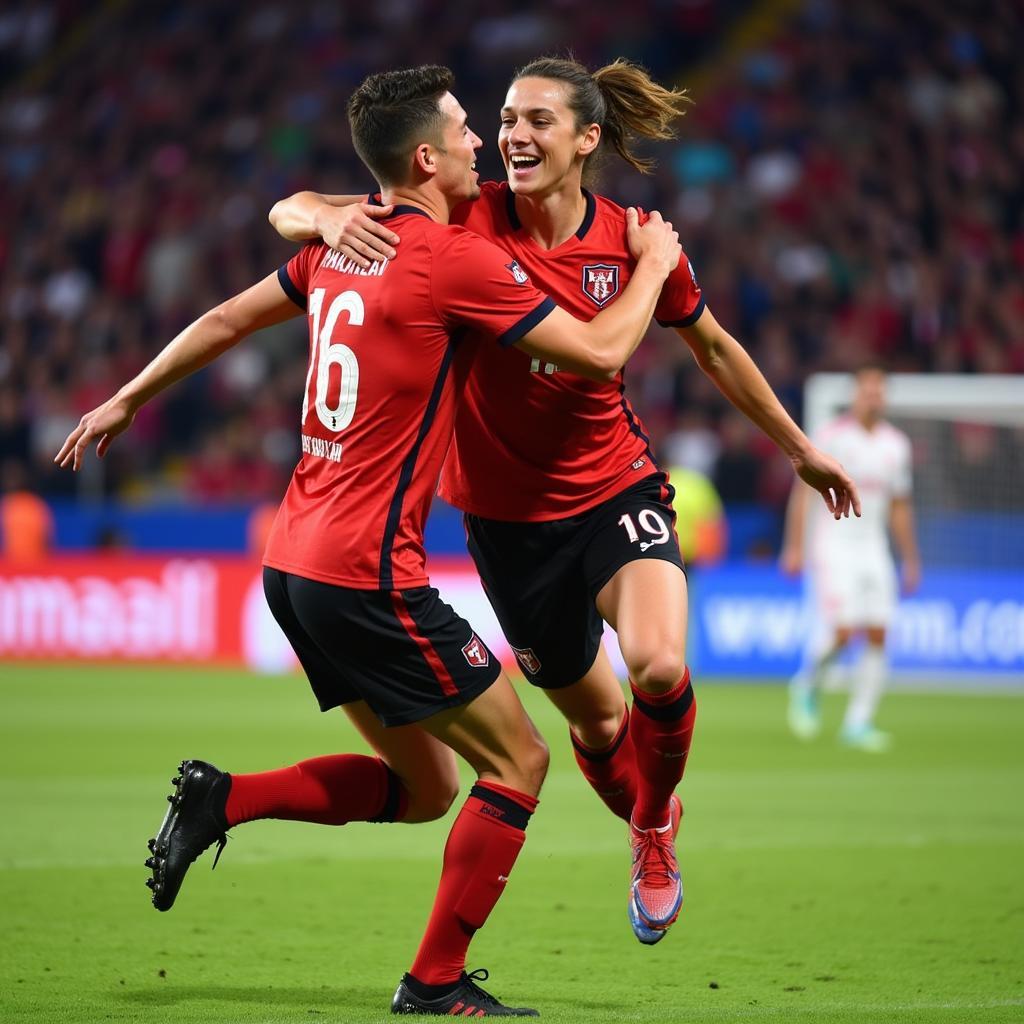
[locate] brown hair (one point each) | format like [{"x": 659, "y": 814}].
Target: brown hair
[
  {"x": 621, "y": 97},
  {"x": 393, "y": 112}
]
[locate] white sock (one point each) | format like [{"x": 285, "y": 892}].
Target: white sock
[
  {"x": 816, "y": 665},
  {"x": 867, "y": 685}
]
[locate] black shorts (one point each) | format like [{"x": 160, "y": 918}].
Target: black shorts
[
  {"x": 542, "y": 579},
  {"x": 405, "y": 652}
]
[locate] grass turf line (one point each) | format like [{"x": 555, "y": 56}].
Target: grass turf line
[{"x": 822, "y": 885}]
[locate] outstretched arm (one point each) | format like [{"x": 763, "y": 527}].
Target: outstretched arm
[
  {"x": 198, "y": 344},
  {"x": 792, "y": 558},
  {"x": 348, "y": 224},
  {"x": 736, "y": 375},
  {"x": 901, "y": 522},
  {"x": 600, "y": 348}
]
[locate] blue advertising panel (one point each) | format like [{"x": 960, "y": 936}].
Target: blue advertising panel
[{"x": 752, "y": 621}]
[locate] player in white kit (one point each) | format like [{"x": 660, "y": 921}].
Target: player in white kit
[{"x": 851, "y": 573}]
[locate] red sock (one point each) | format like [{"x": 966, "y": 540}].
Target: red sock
[
  {"x": 611, "y": 771},
  {"x": 661, "y": 726},
  {"x": 478, "y": 857},
  {"x": 328, "y": 790}
]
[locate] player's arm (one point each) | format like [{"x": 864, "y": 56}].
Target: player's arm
[
  {"x": 736, "y": 375},
  {"x": 601, "y": 347},
  {"x": 348, "y": 224},
  {"x": 901, "y": 523},
  {"x": 200, "y": 343},
  {"x": 792, "y": 558}
]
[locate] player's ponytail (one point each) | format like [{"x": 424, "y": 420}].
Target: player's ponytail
[
  {"x": 637, "y": 107},
  {"x": 621, "y": 97}
]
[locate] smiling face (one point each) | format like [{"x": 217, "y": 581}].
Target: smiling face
[
  {"x": 456, "y": 175},
  {"x": 540, "y": 144}
]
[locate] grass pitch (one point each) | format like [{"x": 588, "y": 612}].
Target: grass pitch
[{"x": 822, "y": 885}]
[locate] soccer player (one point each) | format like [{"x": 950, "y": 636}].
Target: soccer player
[
  {"x": 344, "y": 568},
  {"x": 568, "y": 515},
  {"x": 853, "y": 580}
]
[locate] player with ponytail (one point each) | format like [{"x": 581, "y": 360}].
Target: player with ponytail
[{"x": 568, "y": 515}]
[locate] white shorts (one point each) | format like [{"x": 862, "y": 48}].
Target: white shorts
[{"x": 855, "y": 592}]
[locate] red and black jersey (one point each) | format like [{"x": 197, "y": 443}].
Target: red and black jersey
[
  {"x": 390, "y": 348},
  {"x": 533, "y": 442}
]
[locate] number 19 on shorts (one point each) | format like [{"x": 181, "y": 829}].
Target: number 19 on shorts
[{"x": 648, "y": 522}]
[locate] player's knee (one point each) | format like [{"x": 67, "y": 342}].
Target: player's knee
[
  {"x": 658, "y": 672},
  {"x": 597, "y": 730}
]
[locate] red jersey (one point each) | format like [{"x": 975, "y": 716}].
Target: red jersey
[
  {"x": 533, "y": 442},
  {"x": 389, "y": 351}
]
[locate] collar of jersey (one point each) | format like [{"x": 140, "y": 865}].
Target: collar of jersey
[
  {"x": 588, "y": 217},
  {"x": 374, "y": 200}
]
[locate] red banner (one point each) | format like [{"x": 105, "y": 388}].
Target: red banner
[
  {"x": 113, "y": 607},
  {"x": 182, "y": 609}
]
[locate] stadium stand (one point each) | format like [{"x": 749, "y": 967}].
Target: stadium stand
[{"x": 845, "y": 188}]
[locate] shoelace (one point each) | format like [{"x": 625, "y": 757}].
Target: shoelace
[
  {"x": 652, "y": 845},
  {"x": 484, "y": 999},
  {"x": 222, "y": 841}
]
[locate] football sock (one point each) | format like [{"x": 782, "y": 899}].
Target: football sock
[
  {"x": 482, "y": 847},
  {"x": 816, "y": 666},
  {"x": 329, "y": 790},
  {"x": 661, "y": 725},
  {"x": 868, "y": 682},
  {"x": 611, "y": 771}
]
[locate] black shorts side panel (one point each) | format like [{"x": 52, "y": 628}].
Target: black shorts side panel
[
  {"x": 531, "y": 574},
  {"x": 542, "y": 579},
  {"x": 329, "y": 688},
  {"x": 406, "y": 653}
]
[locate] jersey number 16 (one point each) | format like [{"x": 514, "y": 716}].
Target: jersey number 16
[{"x": 326, "y": 354}]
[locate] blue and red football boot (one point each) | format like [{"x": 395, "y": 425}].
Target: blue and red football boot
[{"x": 656, "y": 888}]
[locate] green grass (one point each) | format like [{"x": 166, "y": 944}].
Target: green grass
[{"x": 822, "y": 885}]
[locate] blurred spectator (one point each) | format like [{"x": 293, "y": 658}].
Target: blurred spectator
[
  {"x": 26, "y": 522},
  {"x": 700, "y": 523}
]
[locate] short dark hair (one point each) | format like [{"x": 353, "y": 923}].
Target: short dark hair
[{"x": 393, "y": 112}]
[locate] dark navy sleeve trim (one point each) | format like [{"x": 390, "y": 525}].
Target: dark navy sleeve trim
[
  {"x": 527, "y": 324},
  {"x": 686, "y": 321},
  {"x": 290, "y": 290}
]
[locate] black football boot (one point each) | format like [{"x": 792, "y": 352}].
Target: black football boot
[
  {"x": 194, "y": 821},
  {"x": 467, "y": 999}
]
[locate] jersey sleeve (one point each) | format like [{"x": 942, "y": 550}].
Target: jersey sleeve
[
  {"x": 295, "y": 275},
  {"x": 474, "y": 284},
  {"x": 681, "y": 302}
]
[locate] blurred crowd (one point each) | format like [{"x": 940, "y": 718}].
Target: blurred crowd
[{"x": 849, "y": 187}]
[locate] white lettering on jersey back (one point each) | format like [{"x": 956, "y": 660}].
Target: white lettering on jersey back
[
  {"x": 334, "y": 260},
  {"x": 321, "y": 448}
]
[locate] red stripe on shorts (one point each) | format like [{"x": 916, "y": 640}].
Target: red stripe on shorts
[{"x": 432, "y": 658}]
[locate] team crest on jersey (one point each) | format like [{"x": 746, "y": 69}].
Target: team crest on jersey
[
  {"x": 526, "y": 658},
  {"x": 600, "y": 282},
  {"x": 520, "y": 275},
  {"x": 475, "y": 652}
]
